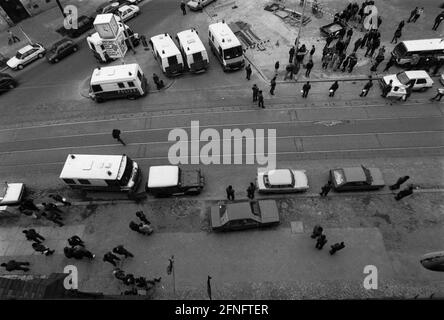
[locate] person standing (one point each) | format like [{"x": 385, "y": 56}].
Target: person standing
[
  {"x": 374, "y": 45},
  {"x": 418, "y": 14},
  {"x": 398, "y": 183},
  {"x": 260, "y": 100},
  {"x": 325, "y": 189},
  {"x": 312, "y": 51},
  {"x": 290, "y": 70},
  {"x": 333, "y": 89},
  {"x": 250, "y": 191},
  {"x": 439, "y": 94},
  {"x": 12, "y": 37},
  {"x": 336, "y": 247},
  {"x": 345, "y": 63},
  {"x": 272, "y": 85},
  {"x": 291, "y": 54},
  {"x": 13, "y": 265},
  {"x": 255, "y": 92},
  {"x": 317, "y": 231},
  {"x": 366, "y": 88},
  {"x": 357, "y": 44},
  {"x": 412, "y": 14},
  {"x": 352, "y": 63},
  {"x": 389, "y": 64},
  {"x": 111, "y": 258},
  {"x": 379, "y": 58},
  {"x": 248, "y": 71},
  {"x": 183, "y": 7},
  {"x": 326, "y": 60},
  {"x": 401, "y": 25},
  {"x": 340, "y": 61},
  {"x": 142, "y": 217},
  {"x": 122, "y": 251},
  {"x": 33, "y": 235},
  {"x": 396, "y": 36},
  {"x": 305, "y": 89},
  {"x": 309, "y": 67},
  {"x": 116, "y": 135},
  {"x": 75, "y": 240},
  {"x": 321, "y": 241},
  {"x": 404, "y": 193},
  {"x": 386, "y": 90},
  {"x": 38, "y": 247},
  {"x": 230, "y": 193},
  {"x": 79, "y": 253},
  {"x": 276, "y": 67},
  {"x": 438, "y": 20}
]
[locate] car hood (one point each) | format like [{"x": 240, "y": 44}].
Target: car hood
[
  {"x": 301, "y": 180},
  {"x": 393, "y": 77},
  {"x": 13, "y": 62},
  {"x": 11, "y": 193}
]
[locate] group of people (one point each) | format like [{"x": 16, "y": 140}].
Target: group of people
[
  {"x": 251, "y": 190},
  {"x": 144, "y": 226},
  {"x": 77, "y": 250},
  {"x": 49, "y": 210},
  {"x": 37, "y": 239},
  {"x": 321, "y": 240}
]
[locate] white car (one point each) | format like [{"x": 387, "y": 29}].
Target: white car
[
  {"x": 11, "y": 193},
  {"x": 281, "y": 181},
  {"x": 26, "y": 55},
  {"x": 196, "y": 5},
  {"x": 419, "y": 78},
  {"x": 127, "y": 12}
]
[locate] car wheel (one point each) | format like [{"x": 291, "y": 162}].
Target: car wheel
[
  {"x": 20, "y": 67},
  {"x": 74, "y": 49},
  {"x": 40, "y": 55}
]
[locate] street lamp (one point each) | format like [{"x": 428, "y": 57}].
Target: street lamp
[
  {"x": 61, "y": 8},
  {"x": 296, "y": 43}
]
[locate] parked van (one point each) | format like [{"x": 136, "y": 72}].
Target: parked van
[
  {"x": 193, "y": 51},
  {"x": 101, "y": 172},
  {"x": 121, "y": 81},
  {"x": 167, "y": 54},
  {"x": 225, "y": 46},
  {"x": 406, "y": 51}
]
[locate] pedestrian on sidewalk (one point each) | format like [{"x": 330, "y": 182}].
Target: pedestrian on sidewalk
[
  {"x": 408, "y": 92},
  {"x": 51, "y": 207},
  {"x": 438, "y": 20},
  {"x": 142, "y": 217},
  {"x": 116, "y": 135},
  {"x": 54, "y": 217},
  {"x": 276, "y": 67},
  {"x": 379, "y": 58},
  {"x": 38, "y": 247},
  {"x": 260, "y": 100},
  {"x": 312, "y": 51},
  {"x": 255, "y": 92},
  {"x": 122, "y": 251},
  {"x": 325, "y": 190},
  {"x": 412, "y": 14},
  {"x": 230, "y": 193},
  {"x": 79, "y": 253},
  {"x": 439, "y": 94},
  {"x": 76, "y": 241},
  {"x": 387, "y": 89},
  {"x": 29, "y": 205},
  {"x": 119, "y": 274},
  {"x": 248, "y": 71},
  {"x": 367, "y": 87},
  {"x": 60, "y": 199},
  {"x": 13, "y": 265},
  {"x": 182, "y": 6},
  {"x": 305, "y": 89},
  {"x": 111, "y": 258},
  {"x": 289, "y": 71},
  {"x": 272, "y": 85},
  {"x": 326, "y": 60},
  {"x": 12, "y": 38},
  {"x": 309, "y": 66},
  {"x": 398, "y": 183},
  {"x": 365, "y": 40},
  {"x": 129, "y": 279},
  {"x": 333, "y": 89},
  {"x": 145, "y": 228},
  {"x": 404, "y": 193},
  {"x": 250, "y": 191},
  {"x": 317, "y": 231},
  {"x": 418, "y": 14},
  {"x": 336, "y": 247},
  {"x": 341, "y": 59},
  {"x": 389, "y": 64},
  {"x": 396, "y": 36},
  {"x": 321, "y": 241},
  {"x": 357, "y": 45},
  {"x": 33, "y": 235},
  {"x": 291, "y": 54},
  {"x": 345, "y": 63},
  {"x": 401, "y": 25}
]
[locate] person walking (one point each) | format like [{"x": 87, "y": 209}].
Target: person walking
[
  {"x": 79, "y": 253},
  {"x": 32, "y": 235},
  {"x": 396, "y": 36},
  {"x": 122, "y": 251},
  {"x": 142, "y": 217},
  {"x": 12, "y": 38},
  {"x": 367, "y": 87},
  {"x": 309, "y": 66},
  {"x": 326, "y": 60},
  {"x": 408, "y": 92},
  {"x": 38, "y": 247},
  {"x": 404, "y": 193},
  {"x": 379, "y": 58},
  {"x": 312, "y": 51},
  {"x": 389, "y": 64},
  {"x": 260, "y": 100},
  {"x": 111, "y": 258},
  {"x": 375, "y": 43},
  {"x": 289, "y": 71},
  {"x": 352, "y": 63},
  {"x": 116, "y": 135},
  {"x": 341, "y": 59},
  {"x": 317, "y": 231},
  {"x": 230, "y": 193},
  {"x": 438, "y": 20},
  {"x": 333, "y": 89},
  {"x": 398, "y": 183},
  {"x": 439, "y": 94},
  {"x": 412, "y": 14},
  {"x": 325, "y": 190},
  {"x": 145, "y": 228},
  {"x": 248, "y": 71},
  {"x": 54, "y": 217},
  {"x": 305, "y": 89},
  {"x": 321, "y": 241},
  {"x": 401, "y": 25},
  {"x": 272, "y": 85},
  {"x": 250, "y": 190},
  {"x": 119, "y": 274},
  {"x": 357, "y": 45},
  {"x": 291, "y": 54},
  {"x": 276, "y": 67},
  {"x": 255, "y": 92},
  {"x": 156, "y": 79},
  {"x": 345, "y": 63},
  {"x": 418, "y": 14},
  {"x": 76, "y": 241},
  {"x": 13, "y": 265},
  {"x": 336, "y": 247},
  {"x": 60, "y": 199},
  {"x": 51, "y": 207},
  {"x": 386, "y": 90},
  {"x": 183, "y": 7}
]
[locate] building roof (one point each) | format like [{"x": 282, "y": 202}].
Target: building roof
[
  {"x": 422, "y": 44},
  {"x": 225, "y": 37},
  {"x": 190, "y": 41},
  {"x": 163, "y": 176},
  {"x": 124, "y": 72},
  {"x": 165, "y": 46},
  {"x": 32, "y": 287},
  {"x": 88, "y": 166}
]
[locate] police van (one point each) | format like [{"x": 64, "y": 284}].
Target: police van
[
  {"x": 193, "y": 51},
  {"x": 225, "y": 46},
  {"x": 101, "y": 172},
  {"x": 407, "y": 51},
  {"x": 167, "y": 55},
  {"x": 121, "y": 81}
]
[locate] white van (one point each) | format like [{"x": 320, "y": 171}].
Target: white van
[
  {"x": 101, "y": 172},
  {"x": 193, "y": 51},
  {"x": 167, "y": 54},
  {"x": 121, "y": 81},
  {"x": 406, "y": 51},
  {"x": 225, "y": 46}
]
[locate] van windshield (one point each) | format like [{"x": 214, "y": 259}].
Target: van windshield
[
  {"x": 400, "y": 50},
  {"x": 233, "y": 52},
  {"x": 127, "y": 172}
]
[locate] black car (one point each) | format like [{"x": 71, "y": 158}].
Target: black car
[
  {"x": 60, "y": 50},
  {"x": 7, "y": 82},
  {"x": 84, "y": 23},
  {"x": 110, "y": 7}
]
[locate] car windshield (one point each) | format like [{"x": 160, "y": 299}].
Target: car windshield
[
  {"x": 400, "y": 50},
  {"x": 233, "y": 52},
  {"x": 19, "y": 55},
  {"x": 255, "y": 209},
  {"x": 368, "y": 175},
  {"x": 127, "y": 172},
  {"x": 339, "y": 176},
  {"x": 402, "y": 77}
]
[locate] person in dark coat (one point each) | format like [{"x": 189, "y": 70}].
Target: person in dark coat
[
  {"x": 317, "y": 231},
  {"x": 438, "y": 20},
  {"x": 255, "y": 92},
  {"x": 289, "y": 71},
  {"x": 325, "y": 189},
  {"x": 398, "y": 183},
  {"x": 276, "y": 67},
  {"x": 51, "y": 207},
  {"x": 119, "y": 274},
  {"x": 291, "y": 54},
  {"x": 353, "y": 61},
  {"x": 116, "y": 135},
  {"x": 142, "y": 217},
  {"x": 13, "y": 265},
  {"x": 321, "y": 241},
  {"x": 272, "y": 85},
  {"x": 309, "y": 66},
  {"x": 79, "y": 253},
  {"x": 129, "y": 279},
  {"x": 248, "y": 71},
  {"x": 365, "y": 40},
  {"x": 389, "y": 64},
  {"x": 69, "y": 252},
  {"x": 134, "y": 226},
  {"x": 386, "y": 90},
  {"x": 412, "y": 14},
  {"x": 366, "y": 88},
  {"x": 54, "y": 217},
  {"x": 312, "y": 51},
  {"x": 76, "y": 241},
  {"x": 345, "y": 63},
  {"x": 305, "y": 89},
  {"x": 33, "y": 235},
  {"x": 250, "y": 191},
  {"x": 396, "y": 36},
  {"x": 230, "y": 193},
  {"x": 38, "y": 247},
  {"x": 333, "y": 89},
  {"x": 341, "y": 59},
  {"x": 404, "y": 193},
  {"x": 357, "y": 44},
  {"x": 379, "y": 58},
  {"x": 260, "y": 100},
  {"x": 401, "y": 25},
  {"x": 337, "y": 247},
  {"x": 122, "y": 251},
  {"x": 183, "y": 7},
  {"x": 111, "y": 258}
]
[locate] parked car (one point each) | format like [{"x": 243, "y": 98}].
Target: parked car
[
  {"x": 127, "y": 12},
  {"x": 419, "y": 78},
  {"x": 110, "y": 7},
  {"x": 196, "y": 5},
  {"x": 356, "y": 179},
  {"x": 60, "y": 50},
  {"x": 84, "y": 23},
  {"x": 244, "y": 215},
  {"x": 11, "y": 193},
  {"x": 7, "y": 82},
  {"x": 333, "y": 29},
  {"x": 26, "y": 55},
  {"x": 281, "y": 180}
]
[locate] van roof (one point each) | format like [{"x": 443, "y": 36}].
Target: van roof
[
  {"x": 165, "y": 45},
  {"x": 424, "y": 44},
  {"x": 124, "y": 72},
  {"x": 163, "y": 176},
  {"x": 90, "y": 166},
  {"x": 190, "y": 41},
  {"x": 416, "y": 74},
  {"x": 223, "y": 35}
]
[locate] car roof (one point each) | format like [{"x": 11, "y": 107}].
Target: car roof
[
  {"x": 354, "y": 174},
  {"x": 26, "y": 48},
  {"x": 125, "y": 7},
  {"x": 163, "y": 176},
  {"x": 190, "y": 41},
  {"x": 165, "y": 45},
  {"x": 239, "y": 211},
  {"x": 416, "y": 74},
  {"x": 419, "y": 45},
  {"x": 279, "y": 176}
]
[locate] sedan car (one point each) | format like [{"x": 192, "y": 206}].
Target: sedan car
[
  {"x": 244, "y": 215},
  {"x": 7, "y": 82},
  {"x": 281, "y": 181},
  {"x": 420, "y": 80},
  {"x": 356, "y": 179},
  {"x": 127, "y": 12},
  {"x": 196, "y": 5},
  {"x": 26, "y": 55},
  {"x": 60, "y": 50},
  {"x": 11, "y": 193}
]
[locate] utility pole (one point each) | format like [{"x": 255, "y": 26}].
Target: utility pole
[
  {"x": 296, "y": 44},
  {"x": 61, "y": 8}
]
